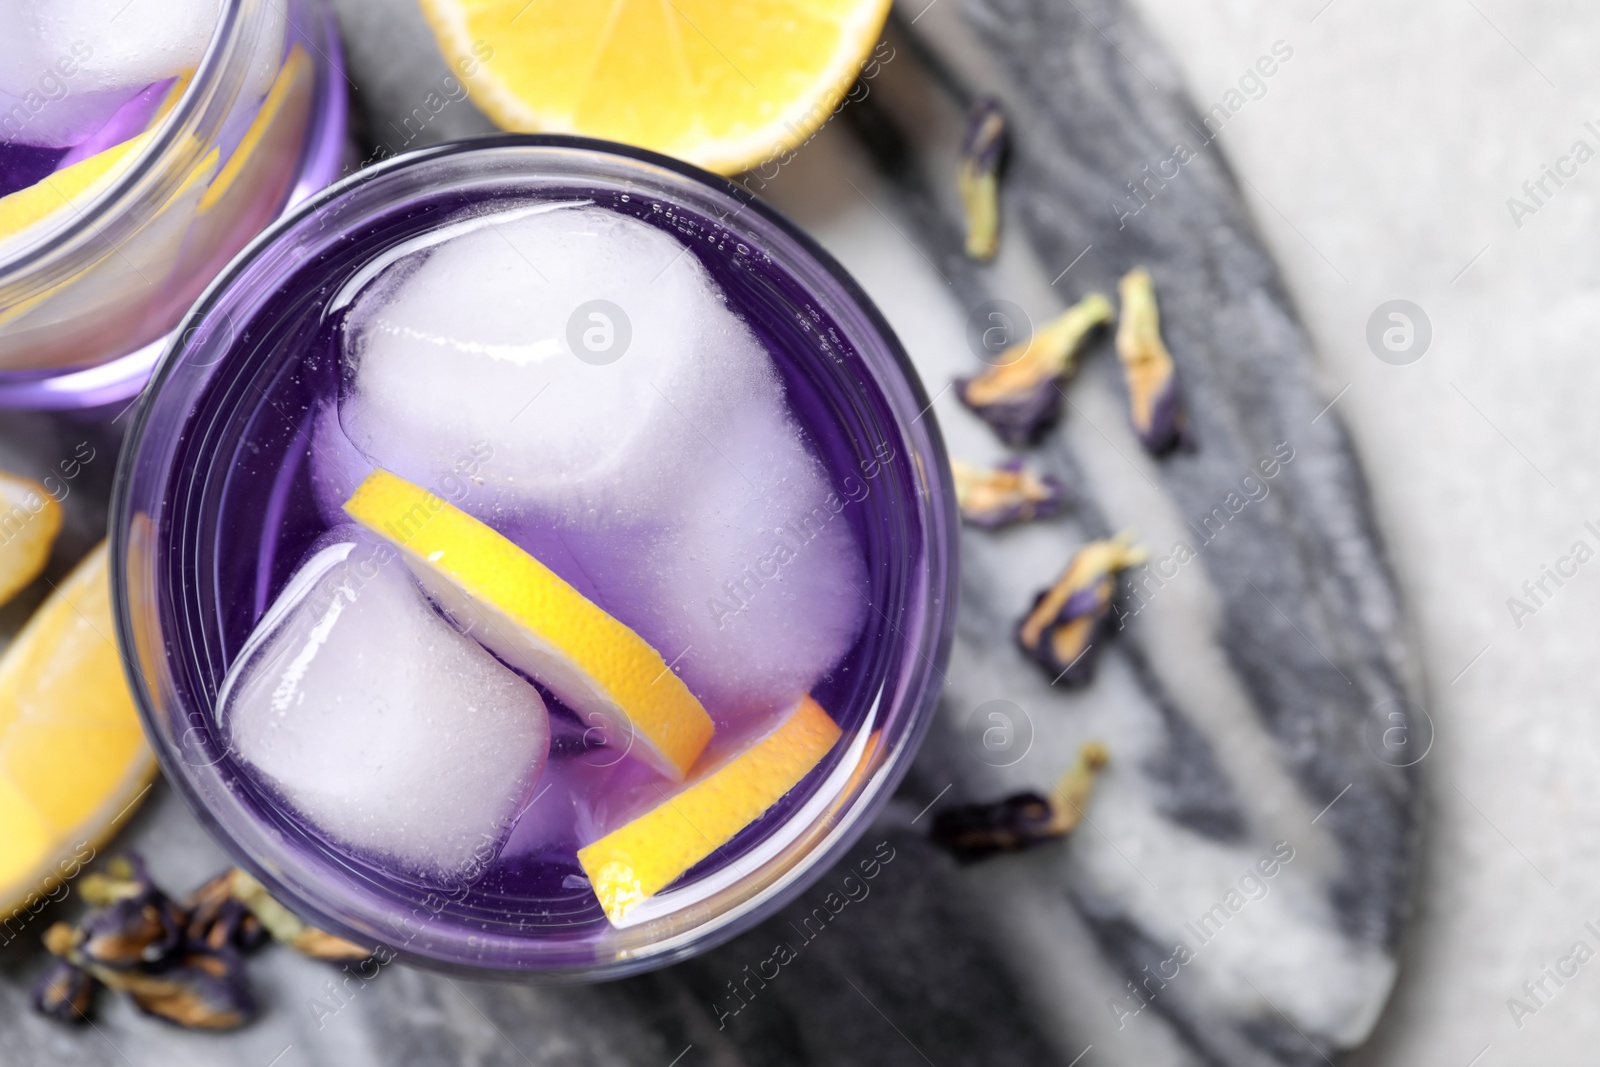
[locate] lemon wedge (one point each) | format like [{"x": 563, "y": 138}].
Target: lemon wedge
[
  {"x": 65, "y": 187},
  {"x": 643, "y": 857},
  {"x": 73, "y": 758},
  {"x": 30, "y": 518},
  {"x": 724, "y": 85},
  {"x": 527, "y": 615},
  {"x": 43, "y": 198}
]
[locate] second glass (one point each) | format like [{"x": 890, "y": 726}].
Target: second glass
[{"x": 115, "y": 214}]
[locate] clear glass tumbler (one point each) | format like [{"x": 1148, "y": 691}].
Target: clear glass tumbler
[
  {"x": 89, "y": 293},
  {"x": 213, "y": 509}
]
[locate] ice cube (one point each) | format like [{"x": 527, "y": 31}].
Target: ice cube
[
  {"x": 470, "y": 340},
  {"x": 380, "y": 724},
  {"x": 337, "y": 466},
  {"x": 67, "y": 66},
  {"x": 758, "y": 590},
  {"x": 581, "y": 798},
  {"x": 672, "y": 485}
]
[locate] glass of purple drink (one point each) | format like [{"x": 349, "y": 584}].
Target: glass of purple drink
[
  {"x": 604, "y": 386},
  {"x": 141, "y": 146}
]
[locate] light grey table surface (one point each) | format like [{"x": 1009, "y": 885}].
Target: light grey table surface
[{"x": 1380, "y": 165}]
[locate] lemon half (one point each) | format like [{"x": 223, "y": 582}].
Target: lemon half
[
  {"x": 30, "y": 518},
  {"x": 73, "y": 758},
  {"x": 722, "y": 84}
]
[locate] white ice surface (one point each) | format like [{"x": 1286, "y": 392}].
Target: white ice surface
[
  {"x": 671, "y": 484},
  {"x": 379, "y": 723},
  {"x": 69, "y": 64}
]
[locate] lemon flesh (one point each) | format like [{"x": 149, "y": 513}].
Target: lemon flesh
[
  {"x": 37, "y": 202},
  {"x": 723, "y": 85},
  {"x": 643, "y": 857},
  {"x": 71, "y": 185},
  {"x": 527, "y": 615},
  {"x": 30, "y": 518},
  {"x": 73, "y": 758}
]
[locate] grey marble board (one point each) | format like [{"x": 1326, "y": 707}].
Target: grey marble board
[{"x": 1249, "y": 702}]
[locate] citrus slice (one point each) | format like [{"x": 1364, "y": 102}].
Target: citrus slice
[
  {"x": 719, "y": 84},
  {"x": 526, "y": 614},
  {"x": 29, "y": 521},
  {"x": 50, "y": 194},
  {"x": 643, "y": 857},
  {"x": 51, "y": 328},
  {"x": 73, "y": 759}
]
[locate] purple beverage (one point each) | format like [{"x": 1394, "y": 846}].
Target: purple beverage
[
  {"x": 544, "y": 557},
  {"x": 141, "y": 144}
]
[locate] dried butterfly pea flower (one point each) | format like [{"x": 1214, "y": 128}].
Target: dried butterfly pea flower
[
  {"x": 251, "y": 935},
  {"x": 64, "y": 992},
  {"x": 978, "y": 177},
  {"x": 208, "y": 898},
  {"x": 1155, "y": 402},
  {"x": 287, "y": 927},
  {"x": 213, "y": 913},
  {"x": 224, "y": 927},
  {"x": 122, "y": 878},
  {"x": 179, "y": 963},
  {"x": 101, "y": 889},
  {"x": 1073, "y": 788},
  {"x": 61, "y": 939},
  {"x": 200, "y": 991},
  {"x": 1017, "y": 396},
  {"x": 1024, "y": 820},
  {"x": 321, "y": 945},
  {"x": 133, "y": 929},
  {"x": 977, "y": 831},
  {"x": 1060, "y": 630},
  {"x": 218, "y": 920},
  {"x": 1010, "y": 493}
]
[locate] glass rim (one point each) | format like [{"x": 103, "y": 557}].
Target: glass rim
[{"x": 829, "y": 836}]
